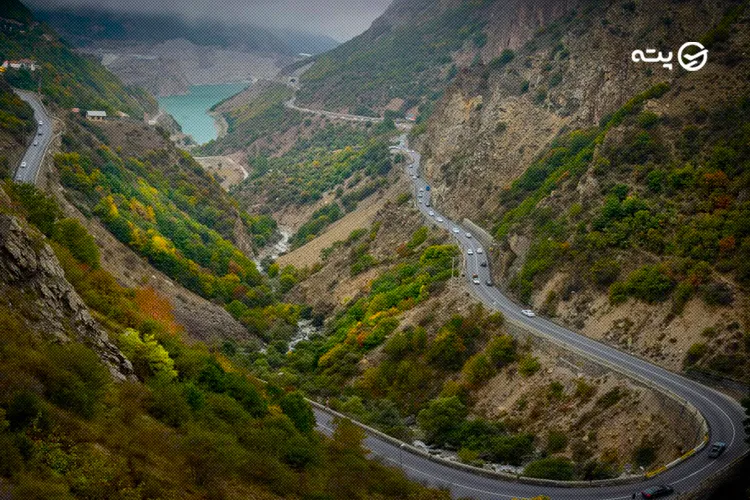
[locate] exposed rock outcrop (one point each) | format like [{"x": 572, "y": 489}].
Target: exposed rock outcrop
[{"x": 29, "y": 266}]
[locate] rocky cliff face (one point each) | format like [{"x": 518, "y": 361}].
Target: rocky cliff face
[
  {"x": 31, "y": 279},
  {"x": 491, "y": 123},
  {"x": 495, "y": 122}
]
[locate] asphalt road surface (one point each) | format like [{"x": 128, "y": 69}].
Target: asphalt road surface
[
  {"x": 723, "y": 414},
  {"x": 35, "y": 153}
]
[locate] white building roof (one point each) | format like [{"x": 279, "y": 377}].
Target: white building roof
[{"x": 96, "y": 113}]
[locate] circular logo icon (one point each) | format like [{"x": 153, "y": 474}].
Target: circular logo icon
[{"x": 692, "y": 62}]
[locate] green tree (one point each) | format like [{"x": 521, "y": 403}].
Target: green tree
[
  {"x": 501, "y": 349},
  {"x": 558, "y": 468},
  {"x": 478, "y": 369},
  {"x": 149, "y": 358},
  {"x": 298, "y": 410},
  {"x": 441, "y": 417},
  {"x": 73, "y": 236}
]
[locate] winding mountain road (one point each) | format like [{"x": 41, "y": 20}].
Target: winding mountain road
[
  {"x": 35, "y": 153},
  {"x": 722, "y": 414}
]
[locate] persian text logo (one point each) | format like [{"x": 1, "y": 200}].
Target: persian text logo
[
  {"x": 687, "y": 56},
  {"x": 692, "y": 62}
]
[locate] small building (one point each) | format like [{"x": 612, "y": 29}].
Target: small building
[
  {"x": 96, "y": 115},
  {"x": 21, "y": 63}
]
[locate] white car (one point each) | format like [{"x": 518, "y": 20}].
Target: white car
[
  {"x": 456, "y": 230},
  {"x": 468, "y": 235},
  {"x": 421, "y": 190},
  {"x": 23, "y": 164},
  {"x": 479, "y": 250},
  {"x": 440, "y": 219},
  {"x": 413, "y": 176},
  {"x": 476, "y": 281},
  {"x": 36, "y": 143},
  {"x": 432, "y": 214},
  {"x": 470, "y": 252},
  {"x": 41, "y": 122},
  {"x": 528, "y": 312}
]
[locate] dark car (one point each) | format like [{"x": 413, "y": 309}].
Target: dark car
[
  {"x": 488, "y": 283},
  {"x": 483, "y": 264},
  {"x": 717, "y": 449},
  {"x": 657, "y": 491}
]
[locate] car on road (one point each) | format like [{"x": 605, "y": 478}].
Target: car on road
[
  {"x": 475, "y": 279},
  {"x": 41, "y": 122},
  {"x": 440, "y": 219},
  {"x": 456, "y": 230},
  {"x": 483, "y": 263},
  {"x": 489, "y": 283},
  {"x": 717, "y": 449},
  {"x": 470, "y": 252},
  {"x": 661, "y": 490},
  {"x": 528, "y": 312},
  {"x": 36, "y": 143},
  {"x": 413, "y": 176},
  {"x": 419, "y": 196},
  {"x": 432, "y": 214},
  {"x": 480, "y": 251},
  {"x": 23, "y": 164},
  {"x": 468, "y": 235},
  {"x": 427, "y": 188},
  {"x": 41, "y": 133},
  {"x": 427, "y": 204},
  {"x": 420, "y": 190}
]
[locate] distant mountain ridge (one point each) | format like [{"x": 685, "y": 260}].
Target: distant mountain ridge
[{"x": 84, "y": 27}]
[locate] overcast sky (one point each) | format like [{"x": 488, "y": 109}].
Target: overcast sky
[{"x": 339, "y": 19}]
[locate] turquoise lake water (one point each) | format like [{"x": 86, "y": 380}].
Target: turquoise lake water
[{"x": 191, "y": 110}]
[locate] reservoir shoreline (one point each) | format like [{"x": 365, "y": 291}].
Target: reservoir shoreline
[{"x": 192, "y": 111}]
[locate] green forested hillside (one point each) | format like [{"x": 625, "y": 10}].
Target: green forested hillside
[
  {"x": 411, "y": 60},
  {"x": 16, "y": 124},
  {"x": 162, "y": 204},
  {"x": 669, "y": 221},
  {"x": 66, "y": 78},
  {"x": 264, "y": 115},
  {"x": 192, "y": 427}
]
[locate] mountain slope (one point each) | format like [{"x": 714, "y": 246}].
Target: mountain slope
[
  {"x": 66, "y": 78},
  {"x": 189, "y": 426},
  {"x": 589, "y": 166},
  {"x": 16, "y": 124},
  {"x": 410, "y": 53}
]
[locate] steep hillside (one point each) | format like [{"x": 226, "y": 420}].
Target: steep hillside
[
  {"x": 415, "y": 49},
  {"x": 189, "y": 426},
  {"x": 64, "y": 77},
  {"x": 34, "y": 284},
  {"x": 307, "y": 170},
  {"x": 402, "y": 346},
  {"x": 617, "y": 191},
  {"x": 16, "y": 126}
]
